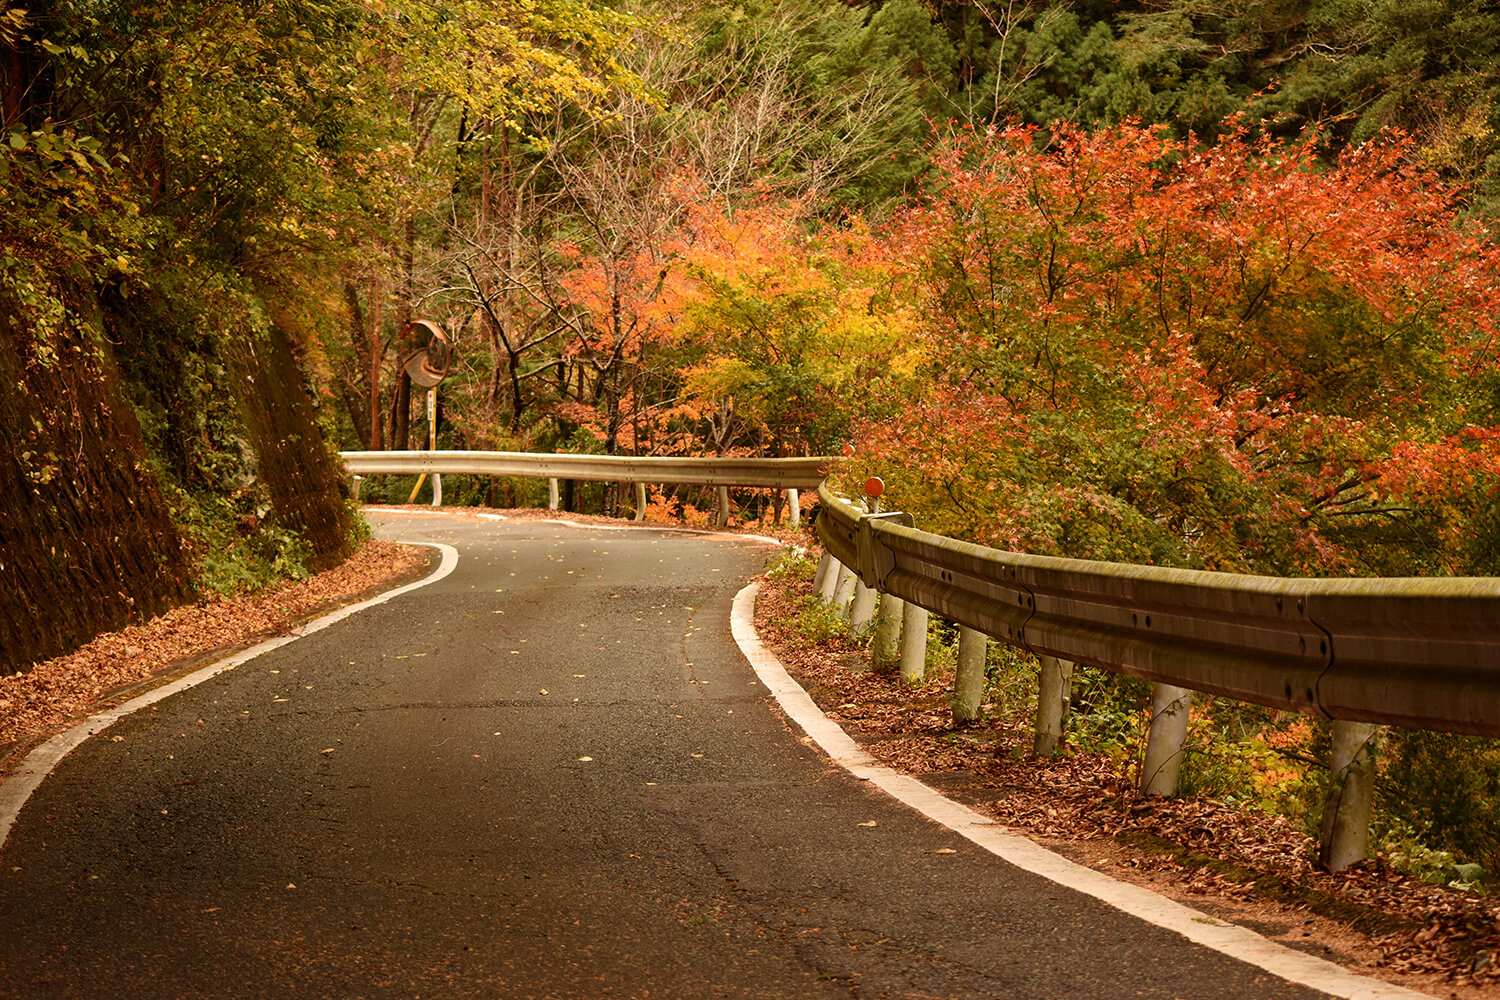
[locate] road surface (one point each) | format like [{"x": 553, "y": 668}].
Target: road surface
[{"x": 551, "y": 774}]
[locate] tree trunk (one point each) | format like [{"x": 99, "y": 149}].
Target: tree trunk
[
  {"x": 401, "y": 414},
  {"x": 375, "y": 354}
]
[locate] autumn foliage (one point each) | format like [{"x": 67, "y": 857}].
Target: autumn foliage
[
  {"x": 1109, "y": 344},
  {"x": 741, "y": 331},
  {"x": 1231, "y": 356}
]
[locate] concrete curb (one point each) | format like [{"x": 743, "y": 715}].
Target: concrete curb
[{"x": 1199, "y": 928}]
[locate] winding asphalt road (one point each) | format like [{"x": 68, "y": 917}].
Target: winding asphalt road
[{"x": 550, "y": 774}]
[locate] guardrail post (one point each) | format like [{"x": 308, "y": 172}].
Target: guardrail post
[
  {"x": 887, "y": 644},
  {"x": 1054, "y": 697},
  {"x": 552, "y": 494},
  {"x": 721, "y": 516},
  {"x": 640, "y": 501},
  {"x": 1351, "y": 791},
  {"x": 1170, "y": 708},
  {"x": 843, "y": 590},
  {"x": 829, "y": 585},
  {"x": 863, "y": 610},
  {"x": 357, "y": 481},
  {"x": 913, "y": 642},
  {"x": 794, "y": 508},
  {"x": 824, "y": 562},
  {"x": 968, "y": 686},
  {"x": 437, "y": 490}
]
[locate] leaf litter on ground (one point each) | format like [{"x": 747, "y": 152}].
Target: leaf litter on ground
[
  {"x": 1235, "y": 863},
  {"x": 117, "y": 665}
]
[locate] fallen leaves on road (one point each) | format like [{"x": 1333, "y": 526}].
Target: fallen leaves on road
[{"x": 114, "y": 665}]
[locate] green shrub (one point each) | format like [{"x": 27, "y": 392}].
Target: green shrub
[
  {"x": 1109, "y": 712},
  {"x": 233, "y": 563},
  {"x": 942, "y": 647},
  {"x": 792, "y": 566},
  {"x": 1010, "y": 680},
  {"x": 1443, "y": 790},
  {"x": 818, "y": 622}
]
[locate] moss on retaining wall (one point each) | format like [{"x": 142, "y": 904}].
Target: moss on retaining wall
[
  {"x": 132, "y": 466},
  {"x": 87, "y": 541}
]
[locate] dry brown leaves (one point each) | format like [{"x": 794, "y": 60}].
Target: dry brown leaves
[
  {"x": 69, "y": 687},
  {"x": 1423, "y": 935}
]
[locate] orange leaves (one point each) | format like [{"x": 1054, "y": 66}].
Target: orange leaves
[
  {"x": 1236, "y": 356},
  {"x": 1456, "y": 462},
  {"x": 747, "y": 329}
]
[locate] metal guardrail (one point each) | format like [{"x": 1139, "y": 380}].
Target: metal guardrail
[
  {"x": 1416, "y": 652},
  {"x": 772, "y": 473}
]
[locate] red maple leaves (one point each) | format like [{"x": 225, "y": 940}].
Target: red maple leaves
[{"x": 1234, "y": 356}]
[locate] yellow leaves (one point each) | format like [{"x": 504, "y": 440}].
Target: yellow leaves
[
  {"x": 779, "y": 321},
  {"x": 509, "y": 63}
]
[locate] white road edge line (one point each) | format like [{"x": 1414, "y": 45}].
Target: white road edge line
[
  {"x": 1199, "y": 928},
  {"x": 17, "y": 788}
]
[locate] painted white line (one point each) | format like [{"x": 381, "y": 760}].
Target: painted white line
[
  {"x": 17, "y": 788},
  {"x": 438, "y": 511},
  {"x": 1199, "y": 928}
]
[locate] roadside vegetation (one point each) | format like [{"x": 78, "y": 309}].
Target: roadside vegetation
[
  {"x": 1194, "y": 285},
  {"x": 1240, "y": 840}
]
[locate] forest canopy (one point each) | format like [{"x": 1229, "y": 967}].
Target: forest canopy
[{"x": 1202, "y": 285}]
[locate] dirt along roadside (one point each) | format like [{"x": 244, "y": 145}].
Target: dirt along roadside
[{"x": 1238, "y": 865}]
